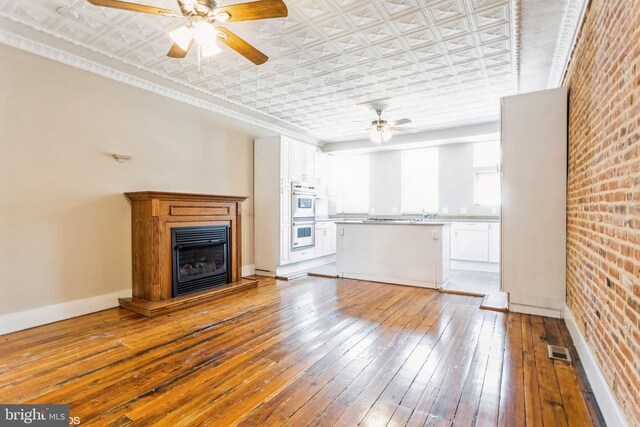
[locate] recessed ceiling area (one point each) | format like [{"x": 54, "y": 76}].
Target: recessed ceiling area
[{"x": 440, "y": 63}]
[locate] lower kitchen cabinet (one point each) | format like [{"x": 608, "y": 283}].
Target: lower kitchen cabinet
[
  {"x": 325, "y": 238},
  {"x": 475, "y": 241}
]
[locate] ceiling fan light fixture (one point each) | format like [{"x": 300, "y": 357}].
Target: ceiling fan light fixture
[
  {"x": 182, "y": 37},
  {"x": 222, "y": 17},
  {"x": 209, "y": 48},
  {"x": 380, "y": 136}
]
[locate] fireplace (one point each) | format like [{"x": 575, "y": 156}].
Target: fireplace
[
  {"x": 186, "y": 249},
  {"x": 200, "y": 258}
]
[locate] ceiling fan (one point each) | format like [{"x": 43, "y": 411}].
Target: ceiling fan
[
  {"x": 202, "y": 17},
  {"x": 381, "y": 129}
]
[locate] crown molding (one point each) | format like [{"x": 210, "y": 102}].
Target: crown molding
[
  {"x": 572, "y": 20},
  {"x": 10, "y": 35},
  {"x": 516, "y": 27}
]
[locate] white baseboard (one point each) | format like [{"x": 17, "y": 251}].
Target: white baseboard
[
  {"x": 20, "y": 320},
  {"x": 537, "y": 311},
  {"x": 611, "y": 412},
  {"x": 248, "y": 270}
]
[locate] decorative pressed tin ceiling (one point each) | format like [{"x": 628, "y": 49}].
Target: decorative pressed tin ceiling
[{"x": 440, "y": 63}]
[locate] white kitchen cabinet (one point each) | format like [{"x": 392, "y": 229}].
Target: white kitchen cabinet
[
  {"x": 285, "y": 206},
  {"x": 401, "y": 253},
  {"x": 279, "y": 161},
  {"x": 472, "y": 245},
  {"x": 285, "y": 245},
  {"x": 494, "y": 242},
  {"x": 285, "y": 161},
  {"x": 303, "y": 255},
  {"x": 309, "y": 163},
  {"x": 534, "y": 186},
  {"x": 325, "y": 238},
  {"x": 272, "y": 203},
  {"x": 470, "y": 241},
  {"x": 296, "y": 160},
  {"x": 321, "y": 169},
  {"x": 302, "y": 159}
]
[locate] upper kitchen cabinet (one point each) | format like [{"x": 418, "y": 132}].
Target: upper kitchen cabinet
[
  {"x": 302, "y": 161},
  {"x": 534, "y": 205}
]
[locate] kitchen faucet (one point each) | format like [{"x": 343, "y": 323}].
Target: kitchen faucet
[{"x": 426, "y": 215}]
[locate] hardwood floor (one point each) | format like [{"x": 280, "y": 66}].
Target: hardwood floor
[{"x": 309, "y": 351}]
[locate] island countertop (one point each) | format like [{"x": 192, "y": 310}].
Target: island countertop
[{"x": 422, "y": 223}]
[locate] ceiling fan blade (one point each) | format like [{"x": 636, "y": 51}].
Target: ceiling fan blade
[
  {"x": 241, "y": 46},
  {"x": 263, "y": 9},
  {"x": 134, "y": 7},
  {"x": 402, "y": 129},
  {"x": 177, "y": 52},
  {"x": 400, "y": 122}
]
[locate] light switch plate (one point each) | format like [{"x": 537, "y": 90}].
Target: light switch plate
[
  {"x": 464, "y": 210},
  {"x": 445, "y": 210},
  {"x": 394, "y": 210}
]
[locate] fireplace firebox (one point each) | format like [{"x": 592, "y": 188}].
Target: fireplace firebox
[{"x": 200, "y": 258}]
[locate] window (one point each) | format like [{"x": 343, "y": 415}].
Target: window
[
  {"x": 349, "y": 183},
  {"x": 419, "y": 181},
  {"x": 487, "y": 185}
]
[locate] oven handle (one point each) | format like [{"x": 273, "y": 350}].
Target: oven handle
[{"x": 198, "y": 244}]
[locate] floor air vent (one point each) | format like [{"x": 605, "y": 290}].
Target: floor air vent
[{"x": 559, "y": 353}]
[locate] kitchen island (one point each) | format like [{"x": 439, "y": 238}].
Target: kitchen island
[{"x": 414, "y": 253}]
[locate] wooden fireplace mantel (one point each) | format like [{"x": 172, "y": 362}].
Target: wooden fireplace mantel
[{"x": 153, "y": 215}]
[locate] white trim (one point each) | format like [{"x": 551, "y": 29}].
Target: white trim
[
  {"x": 248, "y": 270},
  {"x": 20, "y": 320},
  {"x": 611, "y": 412},
  {"x": 516, "y": 28},
  {"x": 572, "y": 20},
  {"x": 537, "y": 311}
]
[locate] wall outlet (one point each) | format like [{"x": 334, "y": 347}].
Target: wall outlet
[
  {"x": 444, "y": 210},
  {"x": 464, "y": 211},
  {"x": 436, "y": 235},
  {"x": 394, "y": 211},
  {"x": 372, "y": 211},
  {"x": 494, "y": 210}
]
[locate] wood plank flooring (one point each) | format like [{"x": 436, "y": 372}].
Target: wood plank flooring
[{"x": 310, "y": 351}]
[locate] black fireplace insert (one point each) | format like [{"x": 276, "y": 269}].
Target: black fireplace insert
[{"x": 200, "y": 258}]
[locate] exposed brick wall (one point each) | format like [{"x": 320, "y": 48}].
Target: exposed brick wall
[{"x": 603, "y": 251}]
